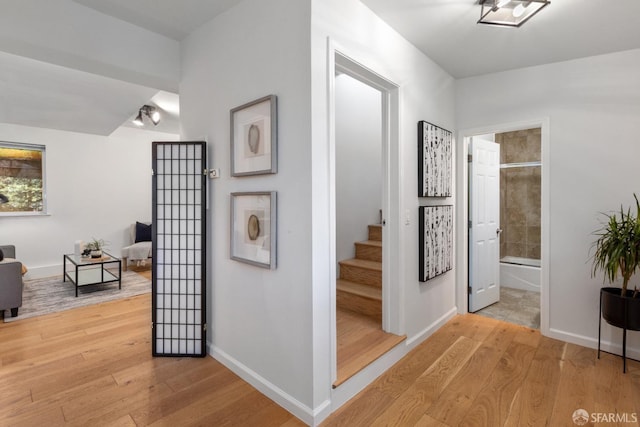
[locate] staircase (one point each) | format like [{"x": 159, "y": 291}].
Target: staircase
[{"x": 359, "y": 288}]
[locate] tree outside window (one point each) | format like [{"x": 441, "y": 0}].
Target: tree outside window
[{"x": 22, "y": 184}]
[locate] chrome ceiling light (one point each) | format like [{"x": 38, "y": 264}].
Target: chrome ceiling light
[
  {"x": 149, "y": 111},
  {"x": 509, "y": 13}
]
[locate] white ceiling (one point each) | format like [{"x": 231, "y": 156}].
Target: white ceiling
[
  {"x": 36, "y": 93},
  {"x": 171, "y": 18},
  {"x": 446, "y": 31},
  {"x": 39, "y": 94}
]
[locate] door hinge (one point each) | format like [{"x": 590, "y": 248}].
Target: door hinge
[
  {"x": 470, "y": 290},
  {"x": 153, "y": 172},
  {"x": 469, "y": 158},
  {"x": 469, "y": 223},
  {"x": 204, "y": 327},
  {"x": 205, "y": 172},
  {"x": 152, "y": 325}
]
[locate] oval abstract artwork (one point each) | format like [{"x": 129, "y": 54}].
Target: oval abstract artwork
[{"x": 253, "y": 227}]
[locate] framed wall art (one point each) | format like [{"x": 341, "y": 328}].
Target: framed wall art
[
  {"x": 254, "y": 137},
  {"x": 436, "y": 241},
  {"x": 434, "y": 160},
  {"x": 253, "y": 228}
]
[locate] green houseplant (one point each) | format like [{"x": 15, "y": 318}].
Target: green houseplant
[
  {"x": 95, "y": 246},
  {"x": 617, "y": 254}
]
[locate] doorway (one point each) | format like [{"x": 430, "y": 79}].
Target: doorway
[
  {"x": 516, "y": 260},
  {"x": 364, "y": 229}
]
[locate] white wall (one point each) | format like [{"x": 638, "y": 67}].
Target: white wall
[
  {"x": 593, "y": 105},
  {"x": 260, "y": 320},
  {"x": 96, "y": 187},
  {"x": 274, "y": 327},
  {"x": 358, "y": 162},
  {"x": 426, "y": 92}
]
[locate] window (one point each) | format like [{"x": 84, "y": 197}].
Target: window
[{"x": 22, "y": 179}]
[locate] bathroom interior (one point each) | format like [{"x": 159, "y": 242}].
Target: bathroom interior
[{"x": 520, "y": 212}]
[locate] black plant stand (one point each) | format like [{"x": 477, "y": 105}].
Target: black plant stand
[{"x": 620, "y": 322}]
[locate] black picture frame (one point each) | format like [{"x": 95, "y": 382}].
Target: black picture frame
[
  {"x": 434, "y": 160},
  {"x": 436, "y": 241}
]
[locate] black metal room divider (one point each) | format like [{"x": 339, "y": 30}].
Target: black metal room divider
[{"x": 179, "y": 255}]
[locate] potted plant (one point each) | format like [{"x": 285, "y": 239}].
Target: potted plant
[
  {"x": 95, "y": 246},
  {"x": 617, "y": 254}
]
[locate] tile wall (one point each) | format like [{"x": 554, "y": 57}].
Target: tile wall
[{"x": 520, "y": 194}]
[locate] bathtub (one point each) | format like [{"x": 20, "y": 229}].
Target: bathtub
[{"x": 520, "y": 273}]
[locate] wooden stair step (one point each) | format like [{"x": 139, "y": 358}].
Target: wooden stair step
[
  {"x": 362, "y": 263},
  {"x": 359, "y": 289},
  {"x": 361, "y": 271},
  {"x": 358, "y": 298},
  {"x": 360, "y": 343},
  {"x": 369, "y": 250},
  {"x": 375, "y": 232}
]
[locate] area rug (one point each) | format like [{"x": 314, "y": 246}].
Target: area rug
[{"x": 51, "y": 294}]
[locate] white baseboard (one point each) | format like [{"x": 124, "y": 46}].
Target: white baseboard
[
  {"x": 339, "y": 395},
  {"x": 354, "y": 385},
  {"x": 429, "y": 330},
  {"x": 590, "y": 342},
  {"x": 351, "y": 387},
  {"x": 43, "y": 271},
  {"x": 288, "y": 402}
]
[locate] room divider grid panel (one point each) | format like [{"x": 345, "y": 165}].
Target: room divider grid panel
[{"x": 179, "y": 255}]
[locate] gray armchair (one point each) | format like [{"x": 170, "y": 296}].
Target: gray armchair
[{"x": 10, "y": 281}]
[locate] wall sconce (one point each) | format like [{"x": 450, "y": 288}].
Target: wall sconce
[
  {"x": 509, "y": 13},
  {"x": 151, "y": 112}
]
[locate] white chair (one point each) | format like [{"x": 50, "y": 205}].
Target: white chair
[{"x": 140, "y": 249}]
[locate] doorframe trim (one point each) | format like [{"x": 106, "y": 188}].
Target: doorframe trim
[
  {"x": 392, "y": 315},
  {"x": 462, "y": 220}
]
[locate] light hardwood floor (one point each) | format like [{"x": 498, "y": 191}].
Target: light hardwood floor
[
  {"x": 360, "y": 341},
  {"x": 477, "y": 371},
  {"x": 93, "y": 366}
]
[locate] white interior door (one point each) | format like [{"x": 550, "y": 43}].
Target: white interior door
[{"x": 484, "y": 217}]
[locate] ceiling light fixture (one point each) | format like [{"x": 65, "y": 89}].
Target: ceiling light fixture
[
  {"x": 151, "y": 112},
  {"x": 512, "y": 13}
]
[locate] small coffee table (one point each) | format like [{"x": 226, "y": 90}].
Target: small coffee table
[{"x": 86, "y": 271}]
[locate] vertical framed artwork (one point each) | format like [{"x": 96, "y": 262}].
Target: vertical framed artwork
[
  {"x": 253, "y": 228},
  {"x": 434, "y": 160},
  {"x": 436, "y": 241},
  {"x": 254, "y": 137}
]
